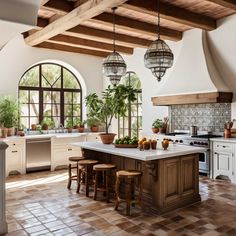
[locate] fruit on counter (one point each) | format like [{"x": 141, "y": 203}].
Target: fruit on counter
[
  {"x": 146, "y": 145},
  {"x": 127, "y": 140},
  {"x": 165, "y": 144},
  {"x": 154, "y": 144}
]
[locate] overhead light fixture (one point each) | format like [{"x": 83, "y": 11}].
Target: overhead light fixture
[
  {"x": 158, "y": 57},
  {"x": 114, "y": 66}
]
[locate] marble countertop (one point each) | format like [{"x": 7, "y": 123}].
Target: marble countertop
[{"x": 135, "y": 153}]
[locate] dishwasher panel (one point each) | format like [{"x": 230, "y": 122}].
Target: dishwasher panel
[{"x": 38, "y": 154}]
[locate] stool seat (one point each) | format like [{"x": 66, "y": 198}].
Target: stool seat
[
  {"x": 103, "y": 167},
  {"x": 75, "y": 159},
  {"x": 87, "y": 162},
  {"x": 128, "y": 173}
]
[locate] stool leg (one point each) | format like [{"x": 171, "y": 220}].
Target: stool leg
[
  {"x": 79, "y": 173},
  {"x": 95, "y": 185},
  {"x": 69, "y": 177},
  {"x": 140, "y": 192},
  {"x": 107, "y": 184},
  {"x": 117, "y": 193},
  {"x": 86, "y": 181},
  {"x": 129, "y": 197}
]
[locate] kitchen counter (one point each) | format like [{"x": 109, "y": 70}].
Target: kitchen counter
[
  {"x": 222, "y": 139},
  {"x": 170, "y": 178},
  {"x": 135, "y": 153}
]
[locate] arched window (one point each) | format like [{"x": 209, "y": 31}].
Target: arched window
[
  {"x": 131, "y": 125},
  {"x": 51, "y": 92}
]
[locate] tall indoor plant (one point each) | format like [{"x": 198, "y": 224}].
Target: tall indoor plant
[
  {"x": 113, "y": 103},
  {"x": 9, "y": 113}
]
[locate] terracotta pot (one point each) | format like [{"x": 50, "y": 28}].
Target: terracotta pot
[
  {"x": 80, "y": 129},
  {"x": 11, "y": 131},
  {"x": 162, "y": 130},
  {"x": 44, "y": 127},
  {"x": 69, "y": 130},
  {"x": 107, "y": 138},
  {"x": 155, "y": 130},
  {"x": 94, "y": 128},
  {"x": 4, "y": 132},
  {"x": 227, "y": 133},
  {"x": 33, "y": 126}
]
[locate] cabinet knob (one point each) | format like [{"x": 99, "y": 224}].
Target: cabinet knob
[
  {"x": 69, "y": 149},
  {"x": 224, "y": 146},
  {"x": 13, "y": 151},
  {"x": 215, "y": 152}
]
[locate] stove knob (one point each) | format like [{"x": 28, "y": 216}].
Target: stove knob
[
  {"x": 176, "y": 140},
  {"x": 206, "y": 144},
  {"x": 198, "y": 143},
  {"x": 191, "y": 143},
  {"x": 170, "y": 140},
  {"x": 181, "y": 141},
  {"x": 195, "y": 142},
  {"x": 202, "y": 143}
]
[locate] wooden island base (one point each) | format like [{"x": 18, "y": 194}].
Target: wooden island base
[{"x": 168, "y": 183}]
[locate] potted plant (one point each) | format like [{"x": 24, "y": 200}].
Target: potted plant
[
  {"x": 156, "y": 125},
  {"x": 93, "y": 123},
  {"x": 113, "y": 103},
  {"x": 69, "y": 125},
  {"x": 163, "y": 125},
  {"x": 47, "y": 123},
  {"x": 9, "y": 114},
  {"x": 81, "y": 126}
]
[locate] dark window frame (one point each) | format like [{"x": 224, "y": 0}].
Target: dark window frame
[
  {"x": 130, "y": 116},
  {"x": 41, "y": 90}
]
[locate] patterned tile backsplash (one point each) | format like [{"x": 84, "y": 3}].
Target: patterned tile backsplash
[{"x": 207, "y": 117}]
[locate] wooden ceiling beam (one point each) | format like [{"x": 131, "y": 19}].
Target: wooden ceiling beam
[
  {"x": 65, "y": 48},
  {"x": 83, "y": 12},
  {"x": 60, "y": 7},
  {"x": 231, "y": 4},
  {"x": 101, "y": 35},
  {"x": 43, "y": 2},
  {"x": 90, "y": 44},
  {"x": 172, "y": 13},
  {"x": 137, "y": 26}
]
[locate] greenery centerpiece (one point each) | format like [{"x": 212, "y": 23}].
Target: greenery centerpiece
[
  {"x": 112, "y": 104},
  {"x": 93, "y": 122},
  {"x": 9, "y": 114},
  {"x": 160, "y": 125}
]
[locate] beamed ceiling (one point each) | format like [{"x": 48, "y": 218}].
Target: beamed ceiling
[{"x": 85, "y": 26}]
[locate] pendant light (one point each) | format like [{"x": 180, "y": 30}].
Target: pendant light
[
  {"x": 114, "y": 66},
  {"x": 158, "y": 57}
]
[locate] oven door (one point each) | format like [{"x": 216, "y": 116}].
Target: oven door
[{"x": 204, "y": 159}]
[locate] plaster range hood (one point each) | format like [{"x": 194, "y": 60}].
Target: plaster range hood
[{"x": 194, "y": 77}]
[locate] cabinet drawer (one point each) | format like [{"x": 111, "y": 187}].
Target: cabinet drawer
[
  {"x": 222, "y": 146},
  {"x": 15, "y": 145}
]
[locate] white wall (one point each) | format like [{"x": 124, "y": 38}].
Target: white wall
[{"x": 16, "y": 57}]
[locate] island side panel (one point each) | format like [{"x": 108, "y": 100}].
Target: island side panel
[{"x": 167, "y": 183}]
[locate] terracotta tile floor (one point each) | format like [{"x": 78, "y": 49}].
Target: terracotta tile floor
[{"x": 40, "y": 204}]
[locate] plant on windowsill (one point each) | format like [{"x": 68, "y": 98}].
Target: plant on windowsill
[
  {"x": 93, "y": 123},
  {"x": 47, "y": 123},
  {"x": 9, "y": 114},
  {"x": 80, "y": 126},
  {"x": 69, "y": 125},
  {"x": 113, "y": 103}
]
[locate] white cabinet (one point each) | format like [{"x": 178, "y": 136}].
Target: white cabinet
[
  {"x": 92, "y": 137},
  {"x": 224, "y": 160},
  {"x": 15, "y": 156},
  {"x": 62, "y": 149}
]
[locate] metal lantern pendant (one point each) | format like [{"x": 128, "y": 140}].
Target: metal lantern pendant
[
  {"x": 114, "y": 66},
  {"x": 158, "y": 57}
]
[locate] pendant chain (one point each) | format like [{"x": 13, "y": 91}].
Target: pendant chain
[
  {"x": 158, "y": 16},
  {"x": 114, "y": 30}
]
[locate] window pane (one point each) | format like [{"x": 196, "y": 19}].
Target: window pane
[
  {"x": 56, "y": 110},
  {"x": 76, "y": 110},
  {"x": 34, "y": 109},
  {"x": 24, "y": 110},
  {"x": 24, "y": 122},
  {"x": 133, "y": 110},
  {"x": 33, "y": 120},
  {"x": 31, "y": 78},
  {"x": 47, "y": 97},
  {"x": 69, "y": 80},
  {"x": 68, "y": 110},
  {"x": 23, "y": 96},
  {"x": 76, "y": 98},
  {"x": 52, "y": 75},
  {"x": 47, "y": 110},
  {"x": 56, "y": 97},
  {"x": 34, "y": 96},
  {"x": 56, "y": 121},
  {"x": 68, "y": 97}
]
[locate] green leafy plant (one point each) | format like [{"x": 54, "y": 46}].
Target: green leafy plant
[
  {"x": 93, "y": 121},
  {"x": 113, "y": 103},
  {"x": 9, "y": 111},
  {"x": 69, "y": 123},
  {"x": 47, "y": 122},
  {"x": 158, "y": 123}
]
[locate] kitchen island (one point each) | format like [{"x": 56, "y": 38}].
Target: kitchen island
[{"x": 170, "y": 177}]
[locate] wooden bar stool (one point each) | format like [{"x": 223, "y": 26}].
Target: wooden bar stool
[
  {"x": 131, "y": 176},
  {"x": 85, "y": 173},
  {"x": 70, "y": 174},
  {"x": 106, "y": 183}
]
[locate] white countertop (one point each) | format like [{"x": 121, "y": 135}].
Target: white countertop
[
  {"x": 56, "y": 135},
  {"x": 222, "y": 139},
  {"x": 135, "y": 153}
]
